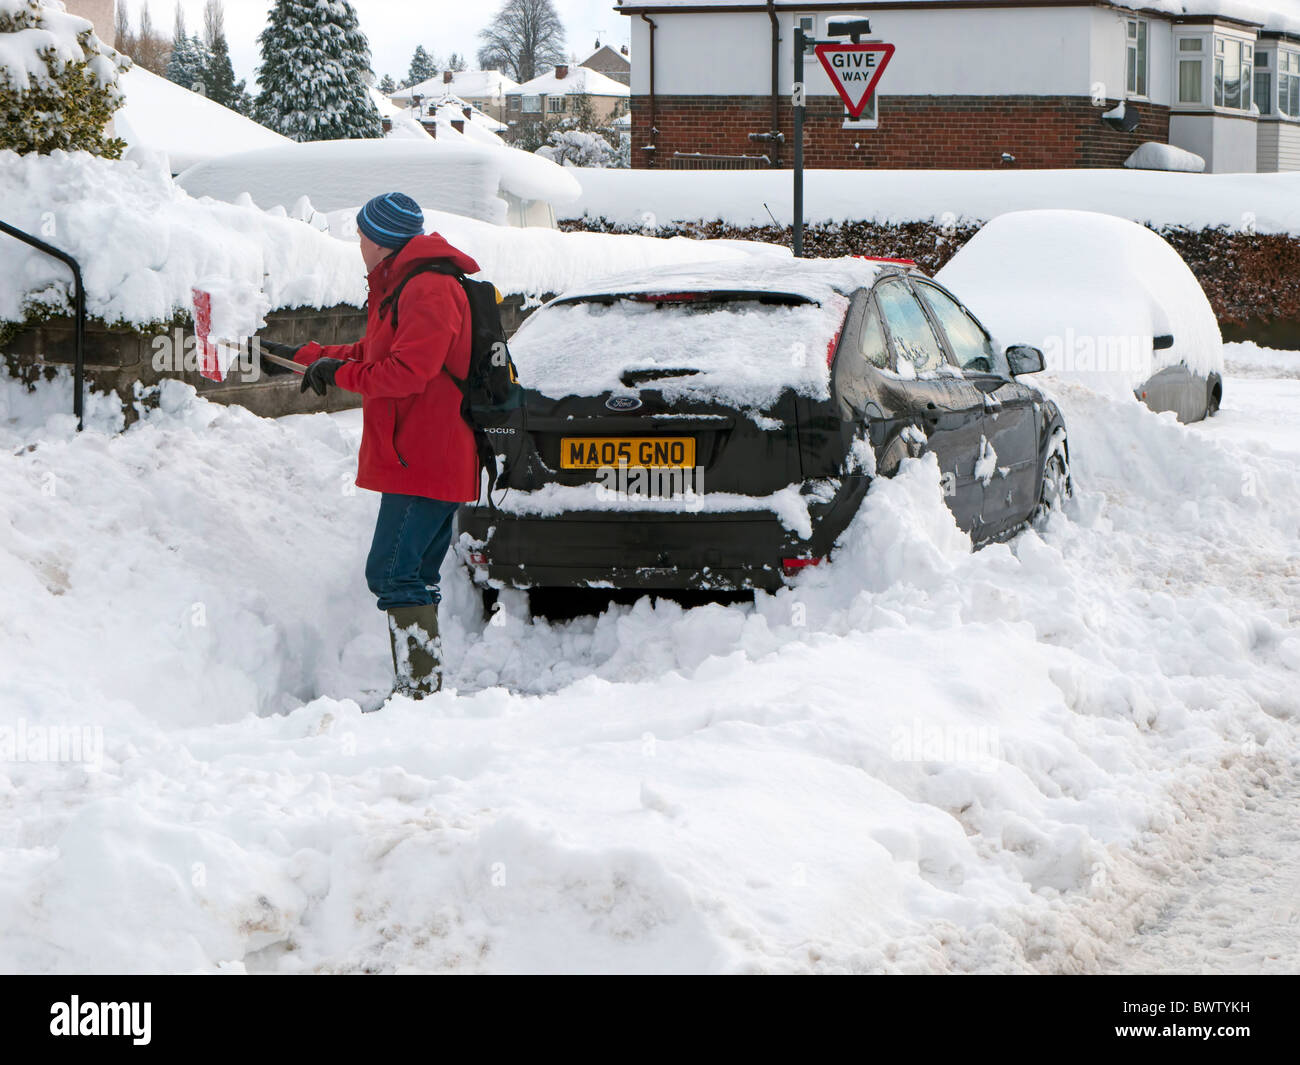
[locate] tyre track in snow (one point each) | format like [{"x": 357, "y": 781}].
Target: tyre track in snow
[{"x": 1237, "y": 908}]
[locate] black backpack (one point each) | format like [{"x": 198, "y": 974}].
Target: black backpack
[{"x": 492, "y": 400}]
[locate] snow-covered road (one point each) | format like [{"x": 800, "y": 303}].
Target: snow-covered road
[
  {"x": 1061, "y": 754},
  {"x": 1236, "y": 908}
]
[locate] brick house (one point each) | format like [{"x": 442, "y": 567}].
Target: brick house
[
  {"x": 553, "y": 96},
  {"x": 1070, "y": 83},
  {"x": 616, "y": 65}
]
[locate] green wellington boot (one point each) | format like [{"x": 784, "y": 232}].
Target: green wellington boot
[{"x": 417, "y": 651}]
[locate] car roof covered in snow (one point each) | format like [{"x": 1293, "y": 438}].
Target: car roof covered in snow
[
  {"x": 813, "y": 280},
  {"x": 461, "y": 176}
]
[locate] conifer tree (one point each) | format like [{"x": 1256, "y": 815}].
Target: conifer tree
[{"x": 314, "y": 73}]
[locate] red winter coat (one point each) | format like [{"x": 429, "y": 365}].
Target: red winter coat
[{"x": 414, "y": 440}]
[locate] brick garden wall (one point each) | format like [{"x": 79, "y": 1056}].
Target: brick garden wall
[{"x": 915, "y": 132}]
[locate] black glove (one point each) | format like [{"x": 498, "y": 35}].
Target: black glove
[
  {"x": 284, "y": 351},
  {"x": 320, "y": 375}
]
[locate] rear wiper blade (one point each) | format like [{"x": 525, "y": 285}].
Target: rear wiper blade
[
  {"x": 705, "y": 296},
  {"x": 632, "y": 378}
]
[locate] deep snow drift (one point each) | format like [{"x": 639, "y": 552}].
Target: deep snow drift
[{"x": 917, "y": 758}]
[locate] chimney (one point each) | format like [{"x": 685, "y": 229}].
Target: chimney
[
  {"x": 468, "y": 110},
  {"x": 446, "y": 77},
  {"x": 623, "y": 49},
  {"x": 562, "y": 72},
  {"x": 458, "y": 124}
]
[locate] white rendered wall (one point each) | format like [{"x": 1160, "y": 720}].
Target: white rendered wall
[{"x": 1039, "y": 52}]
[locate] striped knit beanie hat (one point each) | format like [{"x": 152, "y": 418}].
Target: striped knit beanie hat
[{"x": 391, "y": 220}]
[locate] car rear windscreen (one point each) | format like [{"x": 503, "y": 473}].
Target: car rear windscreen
[{"x": 739, "y": 348}]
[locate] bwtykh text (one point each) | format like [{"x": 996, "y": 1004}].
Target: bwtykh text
[{"x": 102, "y": 1018}]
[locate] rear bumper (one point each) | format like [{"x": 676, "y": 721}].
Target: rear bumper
[
  {"x": 643, "y": 551},
  {"x": 668, "y": 550}
]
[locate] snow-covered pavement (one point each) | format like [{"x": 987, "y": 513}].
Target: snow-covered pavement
[{"x": 918, "y": 758}]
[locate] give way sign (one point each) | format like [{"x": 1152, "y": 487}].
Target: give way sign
[{"x": 854, "y": 70}]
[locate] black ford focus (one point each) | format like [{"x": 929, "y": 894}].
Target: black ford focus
[{"x": 717, "y": 428}]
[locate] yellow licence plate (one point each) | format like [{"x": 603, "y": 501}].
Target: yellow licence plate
[{"x": 595, "y": 452}]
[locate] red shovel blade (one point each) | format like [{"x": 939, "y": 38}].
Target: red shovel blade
[{"x": 209, "y": 365}]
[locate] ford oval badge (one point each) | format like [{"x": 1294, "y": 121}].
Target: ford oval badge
[{"x": 623, "y": 403}]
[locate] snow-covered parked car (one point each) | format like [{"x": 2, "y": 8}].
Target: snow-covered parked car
[
  {"x": 492, "y": 183},
  {"x": 1111, "y": 304},
  {"x": 717, "y": 427}
]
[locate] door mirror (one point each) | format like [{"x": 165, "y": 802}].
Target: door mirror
[{"x": 1021, "y": 358}]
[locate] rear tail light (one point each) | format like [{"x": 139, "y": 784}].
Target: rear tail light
[
  {"x": 834, "y": 343},
  {"x": 791, "y": 566},
  {"x": 478, "y": 558}
]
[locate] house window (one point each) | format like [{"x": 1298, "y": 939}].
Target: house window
[
  {"x": 809, "y": 26},
  {"x": 1137, "y": 56},
  {"x": 1233, "y": 73},
  {"x": 867, "y": 120},
  {"x": 532, "y": 105},
  {"x": 557, "y": 105},
  {"x": 513, "y": 102},
  {"x": 1263, "y": 83},
  {"x": 1288, "y": 83},
  {"x": 1191, "y": 70}
]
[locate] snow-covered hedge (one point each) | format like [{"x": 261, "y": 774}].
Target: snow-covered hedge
[{"x": 58, "y": 81}]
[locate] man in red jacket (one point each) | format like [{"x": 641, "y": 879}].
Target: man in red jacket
[{"x": 416, "y": 449}]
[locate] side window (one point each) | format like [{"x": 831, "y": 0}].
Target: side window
[
  {"x": 918, "y": 349},
  {"x": 968, "y": 341},
  {"x": 872, "y": 343}
]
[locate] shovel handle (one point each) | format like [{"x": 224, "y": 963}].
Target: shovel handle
[{"x": 288, "y": 364}]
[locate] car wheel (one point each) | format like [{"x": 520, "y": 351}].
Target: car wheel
[
  {"x": 1215, "y": 397},
  {"x": 1056, "y": 486}
]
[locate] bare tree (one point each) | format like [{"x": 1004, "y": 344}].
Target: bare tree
[
  {"x": 214, "y": 21},
  {"x": 149, "y": 48},
  {"x": 124, "y": 38},
  {"x": 524, "y": 38}
]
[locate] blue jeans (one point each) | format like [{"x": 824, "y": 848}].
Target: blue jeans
[{"x": 412, "y": 535}]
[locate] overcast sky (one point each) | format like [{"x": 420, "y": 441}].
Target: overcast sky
[{"x": 395, "y": 27}]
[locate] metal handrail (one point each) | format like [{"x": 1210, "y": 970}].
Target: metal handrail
[{"x": 79, "y": 303}]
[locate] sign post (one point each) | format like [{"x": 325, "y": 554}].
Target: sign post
[
  {"x": 797, "y": 98},
  {"x": 854, "y": 70}
]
